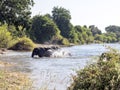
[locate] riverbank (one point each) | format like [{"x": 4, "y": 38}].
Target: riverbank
[
  {"x": 13, "y": 80},
  {"x": 3, "y": 50}
]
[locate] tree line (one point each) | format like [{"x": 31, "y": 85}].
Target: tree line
[{"x": 54, "y": 29}]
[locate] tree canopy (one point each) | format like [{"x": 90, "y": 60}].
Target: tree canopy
[
  {"x": 95, "y": 30},
  {"x": 62, "y": 17},
  {"x": 15, "y": 12},
  {"x": 16, "y": 15},
  {"x": 43, "y": 29},
  {"x": 114, "y": 29}
]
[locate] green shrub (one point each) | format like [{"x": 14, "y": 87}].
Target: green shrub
[
  {"x": 5, "y": 37},
  {"x": 64, "y": 41},
  {"x": 104, "y": 75},
  {"x": 23, "y": 44}
]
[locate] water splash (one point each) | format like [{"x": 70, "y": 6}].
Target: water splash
[{"x": 61, "y": 53}]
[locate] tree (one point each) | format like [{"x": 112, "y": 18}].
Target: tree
[
  {"x": 114, "y": 29},
  {"x": 95, "y": 30},
  {"x": 16, "y": 12},
  {"x": 73, "y": 37},
  {"x": 111, "y": 37},
  {"x": 43, "y": 29},
  {"x": 78, "y": 28},
  {"x": 84, "y": 34},
  {"x": 79, "y": 31},
  {"x": 99, "y": 37},
  {"x": 62, "y": 18}
]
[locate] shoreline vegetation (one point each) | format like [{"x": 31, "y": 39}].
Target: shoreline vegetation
[
  {"x": 102, "y": 75},
  {"x": 5, "y": 50}
]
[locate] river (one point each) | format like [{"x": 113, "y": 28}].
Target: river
[{"x": 55, "y": 73}]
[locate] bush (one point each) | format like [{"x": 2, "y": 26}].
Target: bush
[
  {"x": 5, "y": 37},
  {"x": 104, "y": 75},
  {"x": 64, "y": 41},
  {"x": 23, "y": 43}
]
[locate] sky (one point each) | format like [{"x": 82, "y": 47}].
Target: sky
[{"x": 100, "y": 13}]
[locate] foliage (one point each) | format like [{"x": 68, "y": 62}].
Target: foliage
[
  {"x": 114, "y": 29},
  {"x": 109, "y": 37},
  {"x": 64, "y": 41},
  {"x": 84, "y": 34},
  {"x": 23, "y": 44},
  {"x": 15, "y": 12},
  {"x": 62, "y": 17},
  {"x": 5, "y": 37},
  {"x": 94, "y": 30},
  {"x": 53, "y": 29},
  {"x": 43, "y": 29},
  {"x": 73, "y": 36},
  {"x": 99, "y": 37},
  {"x": 12, "y": 30},
  {"x": 104, "y": 75},
  {"x": 17, "y": 33}
]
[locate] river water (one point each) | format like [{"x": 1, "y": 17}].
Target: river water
[{"x": 55, "y": 73}]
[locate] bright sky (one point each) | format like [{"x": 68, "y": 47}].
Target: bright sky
[{"x": 101, "y": 13}]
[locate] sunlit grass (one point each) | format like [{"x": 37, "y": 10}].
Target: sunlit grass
[{"x": 13, "y": 80}]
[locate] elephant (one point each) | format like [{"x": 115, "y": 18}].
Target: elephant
[{"x": 43, "y": 52}]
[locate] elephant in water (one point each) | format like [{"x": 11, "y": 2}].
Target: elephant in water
[{"x": 43, "y": 52}]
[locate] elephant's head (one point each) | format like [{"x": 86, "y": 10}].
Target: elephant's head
[
  {"x": 41, "y": 52},
  {"x": 35, "y": 52}
]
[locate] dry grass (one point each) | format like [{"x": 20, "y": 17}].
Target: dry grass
[
  {"x": 5, "y": 64},
  {"x": 13, "y": 80}
]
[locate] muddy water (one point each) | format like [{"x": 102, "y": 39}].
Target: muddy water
[{"x": 54, "y": 73}]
